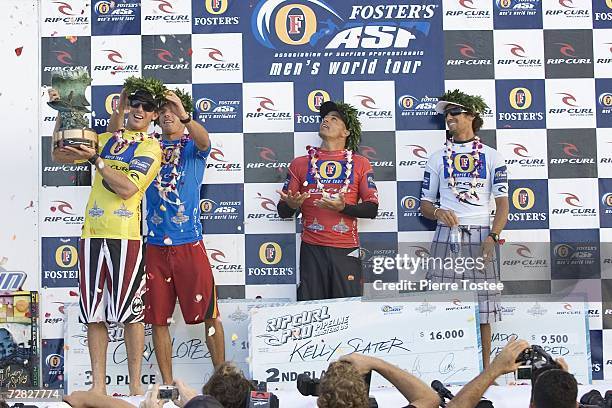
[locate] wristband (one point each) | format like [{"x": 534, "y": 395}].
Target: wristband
[
  {"x": 186, "y": 120},
  {"x": 93, "y": 159},
  {"x": 494, "y": 236}
]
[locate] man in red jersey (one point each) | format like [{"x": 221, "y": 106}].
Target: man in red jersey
[{"x": 332, "y": 186}]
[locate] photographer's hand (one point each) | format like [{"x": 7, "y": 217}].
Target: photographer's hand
[
  {"x": 562, "y": 363},
  {"x": 186, "y": 393},
  {"x": 151, "y": 400},
  {"x": 503, "y": 363}
]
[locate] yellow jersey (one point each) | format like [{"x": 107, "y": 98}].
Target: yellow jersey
[{"x": 107, "y": 215}]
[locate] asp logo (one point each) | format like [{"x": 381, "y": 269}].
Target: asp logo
[
  {"x": 275, "y": 24},
  {"x": 316, "y": 98},
  {"x": 270, "y": 253},
  {"x": 66, "y": 256},
  {"x": 523, "y": 198},
  {"x": 520, "y": 98}
]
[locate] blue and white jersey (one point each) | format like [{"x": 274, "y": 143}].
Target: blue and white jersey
[
  {"x": 170, "y": 223},
  {"x": 492, "y": 182}
]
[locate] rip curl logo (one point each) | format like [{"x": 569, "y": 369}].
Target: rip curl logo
[
  {"x": 217, "y": 155},
  {"x": 419, "y": 151},
  {"x": 571, "y": 199},
  {"x": 164, "y": 55},
  {"x": 517, "y": 50},
  {"x": 467, "y": 50},
  {"x": 114, "y": 56},
  {"x": 63, "y": 57},
  {"x": 566, "y": 49},
  {"x": 265, "y": 103},
  {"x": 520, "y": 150},
  {"x": 290, "y": 24},
  {"x": 467, "y": 4},
  {"x": 165, "y": 6},
  {"x": 64, "y": 8},
  {"x": 217, "y": 255},
  {"x": 368, "y": 102},
  {"x": 214, "y": 54},
  {"x": 523, "y": 251},
  {"x": 569, "y": 149}
]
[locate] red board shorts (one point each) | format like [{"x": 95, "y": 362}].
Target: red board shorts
[{"x": 181, "y": 271}]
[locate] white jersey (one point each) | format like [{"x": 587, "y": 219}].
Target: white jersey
[{"x": 492, "y": 181}]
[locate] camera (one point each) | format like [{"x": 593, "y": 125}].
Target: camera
[
  {"x": 168, "y": 392},
  {"x": 594, "y": 399},
  {"x": 309, "y": 387},
  {"x": 532, "y": 359},
  {"x": 261, "y": 398}
]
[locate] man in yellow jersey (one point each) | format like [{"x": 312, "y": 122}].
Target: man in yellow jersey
[{"x": 111, "y": 271}]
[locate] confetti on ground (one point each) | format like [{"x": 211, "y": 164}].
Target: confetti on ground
[
  {"x": 211, "y": 331},
  {"x": 18, "y": 51}
]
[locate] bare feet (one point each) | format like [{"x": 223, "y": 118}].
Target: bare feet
[
  {"x": 136, "y": 390},
  {"x": 98, "y": 390}
]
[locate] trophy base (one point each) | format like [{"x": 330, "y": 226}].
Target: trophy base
[{"x": 72, "y": 138}]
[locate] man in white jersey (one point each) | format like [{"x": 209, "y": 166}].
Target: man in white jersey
[{"x": 465, "y": 174}]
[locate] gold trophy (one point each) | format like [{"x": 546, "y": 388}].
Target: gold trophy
[{"x": 72, "y": 106}]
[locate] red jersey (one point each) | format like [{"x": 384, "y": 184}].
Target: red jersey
[{"x": 327, "y": 227}]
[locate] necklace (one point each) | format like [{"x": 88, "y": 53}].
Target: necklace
[
  {"x": 122, "y": 142},
  {"x": 463, "y": 196},
  {"x": 174, "y": 160},
  {"x": 313, "y": 152}
]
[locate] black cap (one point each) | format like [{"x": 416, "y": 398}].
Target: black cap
[
  {"x": 143, "y": 96},
  {"x": 330, "y": 106},
  {"x": 203, "y": 401}
]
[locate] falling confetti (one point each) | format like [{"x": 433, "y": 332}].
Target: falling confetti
[
  {"x": 145, "y": 354},
  {"x": 196, "y": 318},
  {"x": 162, "y": 207},
  {"x": 170, "y": 320},
  {"x": 71, "y": 38},
  {"x": 198, "y": 298},
  {"x": 18, "y": 51},
  {"x": 150, "y": 275},
  {"x": 190, "y": 52},
  {"x": 99, "y": 290},
  {"x": 3, "y": 261},
  {"x": 47, "y": 314},
  {"x": 162, "y": 38},
  {"x": 211, "y": 331},
  {"x": 167, "y": 241},
  {"x": 168, "y": 279},
  {"x": 31, "y": 205},
  {"x": 234, "y": 337},
  {"x": 151, "y": 234},
  {"x": 73, "y": 293}
]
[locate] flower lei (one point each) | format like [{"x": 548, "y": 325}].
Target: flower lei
[
  {"x": 167, "y": 187},
  {"x": 118, "y": 137},
  {"x": 313, "y": 152},
  {"x": 452, "y": 181}
]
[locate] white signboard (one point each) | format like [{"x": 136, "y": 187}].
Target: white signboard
[
  {"x": 190, "y": 357},
  {"x": 432, "y": 340},
  {"x": 561, "y": 328}
]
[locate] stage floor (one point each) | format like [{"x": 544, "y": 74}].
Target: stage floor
[{"x": 502, "y": 397}]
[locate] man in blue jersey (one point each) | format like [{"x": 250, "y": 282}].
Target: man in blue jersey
[{"x": 176, "y": 260}]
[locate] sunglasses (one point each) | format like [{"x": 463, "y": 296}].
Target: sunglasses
[
  {"x": 455, "y": 111},
  {"x": 146, "y": 106}
]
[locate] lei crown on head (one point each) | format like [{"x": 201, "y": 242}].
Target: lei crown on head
[
  {"x": 353, "y": 125},
  {"x": 154, "y": 86},
  {"x": 186, "y": 100},
  {"x": 474, "y": 103}
]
